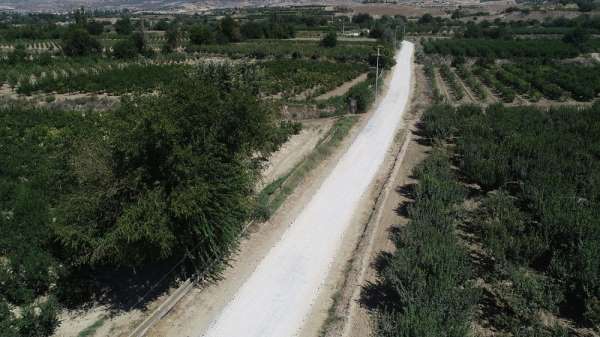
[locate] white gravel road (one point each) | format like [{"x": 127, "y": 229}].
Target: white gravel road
[{"x": 277, "y": 298}]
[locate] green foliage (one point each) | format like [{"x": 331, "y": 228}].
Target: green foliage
[
  {"x": 186, "y": 156},
  {"x": 123, "y": 26},
  {"x": 125, "y": 49},
  {"x": 78, "y": 42},
  {"x": 577, "y": 37},
  {"x": 472, "y": 82},
  {"x": 269, "y": 29},
  {"x": 201, "y": 35},
  {"x": 546, "y": 160},
  {"x": 345, "y": 51},
  {"x": 38, "y": 320},
  {"x": 229, "y": 29},
  {"x": 430, "y": 73},
  {"x": 425, "y": 281},
  {"x": 293, "y": 77},
  {"x": 555, "y": 80},
  {"x": 452, "y": 81},
  {"x": 363, "y": 94},
  {"x": 494, "y": 48},
  {"x": 117, "y": 80},
  {"x": 329, "y": 40},
  {"x": 95, "y": 28},
  {"x": 274, "y": 194},
  {"x": 490, "y": 76}
]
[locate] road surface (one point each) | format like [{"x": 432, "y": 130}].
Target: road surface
[{"x": 277, "y": 298}]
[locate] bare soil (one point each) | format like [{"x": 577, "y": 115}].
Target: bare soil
[
  {"x": 295, "y": 149},
  {"x": 443, "y": 87},
  {"x": 342, "y": 89},
  {"x": 469, "y": 96}
]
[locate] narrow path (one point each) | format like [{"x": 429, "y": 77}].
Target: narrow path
[
  {"x": 466, "y": 88},
  {"x": 441, "y": 84},
  {"x": 342, "y": 89},
  {"x": 277, "y": 298}
]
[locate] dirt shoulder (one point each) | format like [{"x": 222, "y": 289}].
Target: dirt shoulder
[{"x": 295, "y": 149}]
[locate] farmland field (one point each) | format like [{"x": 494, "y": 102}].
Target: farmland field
[
  {"x": 156, "y": 182},
  {"x": 132, "y": 146}
]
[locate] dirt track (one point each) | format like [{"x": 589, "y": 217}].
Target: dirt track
[{"x": 277, "y": 297}]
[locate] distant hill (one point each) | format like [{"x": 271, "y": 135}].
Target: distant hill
[{"x": 162, "y": 5}]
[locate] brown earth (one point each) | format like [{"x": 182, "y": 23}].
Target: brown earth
[{"x": 342, "y": 89}]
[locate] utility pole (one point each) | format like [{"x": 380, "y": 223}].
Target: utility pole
[{"x": 377, "y": 75}]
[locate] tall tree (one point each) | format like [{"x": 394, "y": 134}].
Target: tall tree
[
  {"x": 179, "y": 173},
  {"x": 78, "y": 42},
  {"x": 124, "y": 26}
]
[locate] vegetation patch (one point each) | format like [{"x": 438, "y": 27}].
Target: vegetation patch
[
  {"x": 537, "y": 216},
  {"x": 274, "y": 194}
]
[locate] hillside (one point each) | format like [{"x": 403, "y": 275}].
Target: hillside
[{"x": 66, "y": 5}]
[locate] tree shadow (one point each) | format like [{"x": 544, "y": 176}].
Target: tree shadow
[
  {"x": 124, "y": 289},
  {"x": 421, "y": 138},
  {"x": 121, "y": 288}
]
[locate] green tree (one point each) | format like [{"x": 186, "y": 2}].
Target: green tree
[
  {"x": 95, "y": 27},
  {"x": 125, "y": 49},
  {"x": 172, "y": 36},
  {"x": 201, "y": 34},
  {"x": 577, "y": 37},
  {"x": 252, "y": 30},
  {"x": 39, "y": 320},
  {"x": 78, "y": 42},
  {"x": 179, "y": 173},
  {"x": 162, "y": 25},
  {"x": 124, "y": 26},
  {"x": 18, "y": 55},
  {"x": 8, "y": 322},
  {"x": 329, "y": 40},
  {"x": 230, "y": 28}
]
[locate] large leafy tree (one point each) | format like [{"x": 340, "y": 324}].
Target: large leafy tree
[
  {"x": 201, "y": 34},
  {"x": 175, "y": 174},
  {"x": 124, "y": 26},
  {"x": 78, "y": 42}
]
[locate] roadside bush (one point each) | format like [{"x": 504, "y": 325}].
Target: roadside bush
[
  {"x": 329, "y": 40},
  {"x": 362, "y": 93},
  {"x": 425, "y": 282}
]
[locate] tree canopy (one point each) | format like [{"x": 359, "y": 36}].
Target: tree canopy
[
  {"x": 175, "y": 174},
  {"x": 78, "y": 42}
]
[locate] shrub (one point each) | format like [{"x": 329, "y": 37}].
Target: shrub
[
  {"x": 78, "y": 42},
  {"x": 125, "y": 49},
  {"x": 362, "y": 93},
  {"x": 329, "y": 40},
  {"x": 424, "y": 283}
]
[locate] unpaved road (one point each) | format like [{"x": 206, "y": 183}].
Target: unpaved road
[{"x": 277, "y": 297}]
